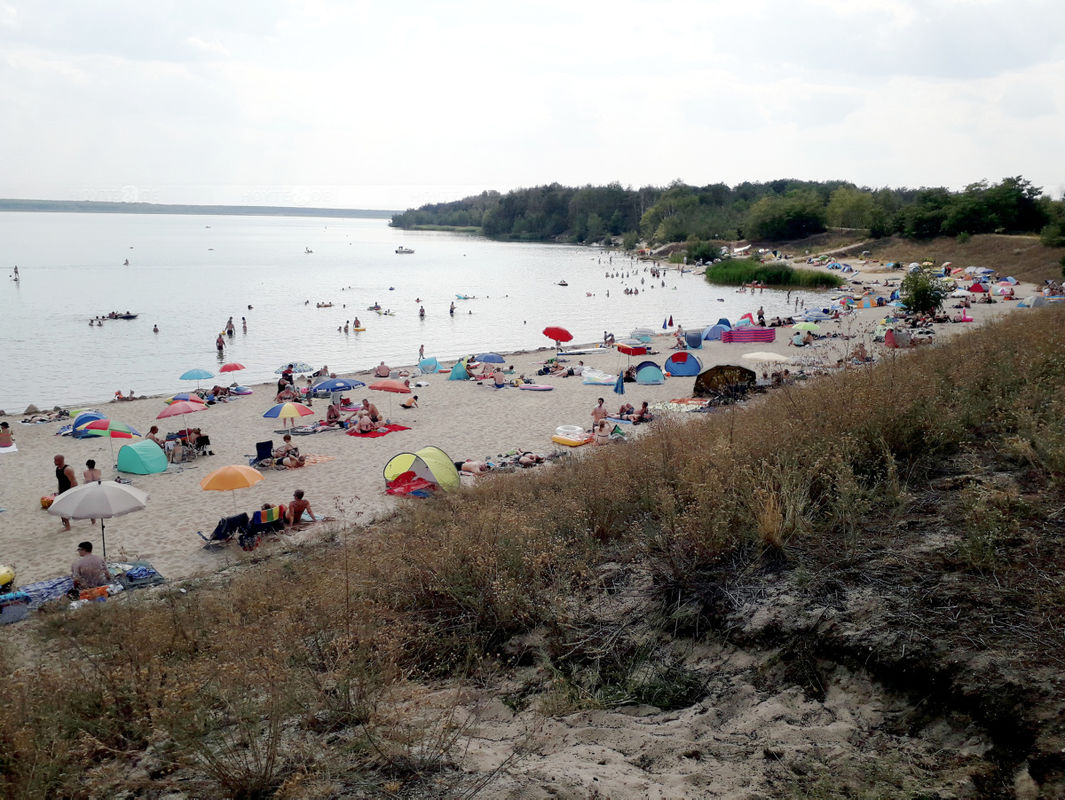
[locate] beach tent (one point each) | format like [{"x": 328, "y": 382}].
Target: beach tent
[
  {"x": 422, "y": 471},
  {"x": 978, "y": 287},
  {"x": 142, "y": 458},
  {"x": 867, "y": 302},
  {"x": 693, "y": 339},
  {"x": 724, "y": 321},
  {"x": 83, "y": 418},
  {"x": 713, "y": 333},
  {"x": 429, "y": 365},
  {"x": 459, "y": 372},
  {"x": 721, "y": 379},
  {"x": 683, "y": 364},
  {"x": 648, "y": 373}
]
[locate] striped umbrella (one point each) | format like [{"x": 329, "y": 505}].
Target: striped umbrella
[
  {"x": 111, "y": 428},
  {"x": 285, "y": 411}
]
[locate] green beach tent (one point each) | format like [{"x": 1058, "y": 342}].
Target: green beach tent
[
  {"x": 459, "y": 372},
  {"x": 430, "y": 463},
  {"x": 142, "y": 458}
]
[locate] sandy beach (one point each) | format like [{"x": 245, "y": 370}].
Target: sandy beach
[{"x": 465, "y": 419}]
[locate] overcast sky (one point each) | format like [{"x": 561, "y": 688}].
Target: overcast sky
[{"x": 390, "y": 105}]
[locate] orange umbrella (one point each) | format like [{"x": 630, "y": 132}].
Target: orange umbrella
[
  {"x": 227, "y": 479},
  {"x": 391, "y": 385}
]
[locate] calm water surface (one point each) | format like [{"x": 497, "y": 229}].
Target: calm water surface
[{"x": 189, "y": 274}]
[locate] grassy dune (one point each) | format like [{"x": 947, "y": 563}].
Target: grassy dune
[{"x": 249, "y": 682}]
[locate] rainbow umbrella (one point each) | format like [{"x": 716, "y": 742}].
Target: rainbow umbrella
[
  {"x": 111, "y": 428},
  {"x": 186, "y": 397},
  {"x": 288, "y": 411}
]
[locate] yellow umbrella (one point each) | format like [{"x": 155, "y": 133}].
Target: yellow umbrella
[{"x": 227, "y": 479}]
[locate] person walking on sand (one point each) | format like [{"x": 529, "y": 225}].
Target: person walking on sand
[{"x": 66, "y": 479}]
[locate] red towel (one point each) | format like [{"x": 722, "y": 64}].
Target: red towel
[{"x": 382, "y": 430}]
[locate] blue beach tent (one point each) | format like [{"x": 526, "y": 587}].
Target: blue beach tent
[
  {"x": 459, "y": 372},
  {"x": 693, "y": 339},
  {"x": 683, "y": 364},
  {"x": 648, "y": 373}
]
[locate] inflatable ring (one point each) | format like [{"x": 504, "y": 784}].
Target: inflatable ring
[
  {"x": 570, "y": 431},
  {"x": 569, "y": 442}
]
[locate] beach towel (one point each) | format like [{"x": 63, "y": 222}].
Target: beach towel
[
  {"x": 317, "y": 459},
  {"x": 382, "y": 430}
]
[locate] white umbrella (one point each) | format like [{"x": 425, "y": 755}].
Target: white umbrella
[
  {"x": 766, "y": 356},
  {"x": 99, "y": 500}
]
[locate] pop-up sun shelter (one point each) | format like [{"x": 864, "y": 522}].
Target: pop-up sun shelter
[
  {"x": 459, "y": 372},
  {"x": 142, "y": 458},
  {"x": 684, "y": 364},
  {"x": 429, "y": 365},
  {"x": 421, "y": 473},
  {"x": 714, "y": 332},
  {"x": 649, "y": 373}
]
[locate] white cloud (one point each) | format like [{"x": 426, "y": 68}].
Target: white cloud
[{"x": 198, "y": 101}]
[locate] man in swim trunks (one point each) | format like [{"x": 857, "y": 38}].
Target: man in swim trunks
[
  {"x": 599, "y": 412},
  {"x": 295, "y": 510},
  {"x": 371, "y": 410},
  {"x": 66, "y": 479}
]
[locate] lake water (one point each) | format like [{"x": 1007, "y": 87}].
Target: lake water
[{"x": 189, "y": 274}]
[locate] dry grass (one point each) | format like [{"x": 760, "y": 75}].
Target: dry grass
[
  {"x": 238, "y": 687},
  {"x": 1023, "y": 257}
]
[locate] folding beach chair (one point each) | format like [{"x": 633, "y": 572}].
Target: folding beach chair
[
  {"x": 225, "y": 530},
  {"x": 263, "y": 451}
]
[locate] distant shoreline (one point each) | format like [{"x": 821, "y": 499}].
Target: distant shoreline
[{"x": 102, "y": 207}]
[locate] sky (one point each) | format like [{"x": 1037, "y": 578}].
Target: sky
[{"x": 345, "y": 103}]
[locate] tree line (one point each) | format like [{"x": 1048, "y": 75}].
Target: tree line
[{"x": 772, "y": 211}]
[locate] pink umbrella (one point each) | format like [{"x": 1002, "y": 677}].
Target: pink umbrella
[{"x": 180, "y": 407}]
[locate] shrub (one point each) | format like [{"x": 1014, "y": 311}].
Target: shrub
[
  {"x": 740, "y": 271},
  {"x": 922, "y": 292}
]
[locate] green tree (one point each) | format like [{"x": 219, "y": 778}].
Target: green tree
[
  {"x": 922, "y": 292},
  {"x": 797, "y": 214},
  {"x": 850, "y": 208},
  {"x": 630, "y": 240}
]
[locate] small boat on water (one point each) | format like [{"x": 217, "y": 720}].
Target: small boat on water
[
  {"x": 403, "y": 251},
  {"x": 465, "y": 297},
  {"x": 307, "y": 251},
  {"x": 561, "y": 283}
]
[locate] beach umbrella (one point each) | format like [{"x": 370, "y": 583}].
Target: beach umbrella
[
  {"x": 337, "y": 385},
  {"x": 619, "y": 384},
  {"x": 231, "y": 478},
  {"x": 111, "y": 428},
  {"x": 231, "y": 367},
  {"x": 179, "y": 407},
  {"x": 187, "y": 397},
  {"x": 99, "y": 500},
  {"x": 297, "y": 366},
  {"x": 490, "y": 358},
  {"x": 806, "y": 326},
  {"x": 196, "y": 375},
  {"x": 391, "y": 386},
  {"x": 558, "y": 334},
  {"x": 288, "y": 411}
]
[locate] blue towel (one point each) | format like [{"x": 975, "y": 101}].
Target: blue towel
[{"x": 43, "y": 591}]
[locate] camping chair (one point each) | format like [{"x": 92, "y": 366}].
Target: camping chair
[
  {"x": 270, "y": 520},
  {"x": 226, "y": 529},
  {"x": 264, "y": 451},
  {"x": 201, "y": 445}
]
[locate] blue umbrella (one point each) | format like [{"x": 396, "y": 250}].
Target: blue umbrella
[
  {"x": 619, "y": 386},
  {"x": 337, "y": 385},
  {"x": 197, "y": 375},
  {"x": 491, "y": 358}
]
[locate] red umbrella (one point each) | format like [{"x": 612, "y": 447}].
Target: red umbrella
[
  {"x": 233, "y": 367},
  {"x": 557, "y": 333},
  {"x": 180, "y": 407}
]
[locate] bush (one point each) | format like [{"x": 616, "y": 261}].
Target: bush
[
  {"x": 922, "y": 292},
  {"x": 964, "y": 237},
  {"x": 1053, "y": 235},
  {"x": 737, "y": 272}
]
